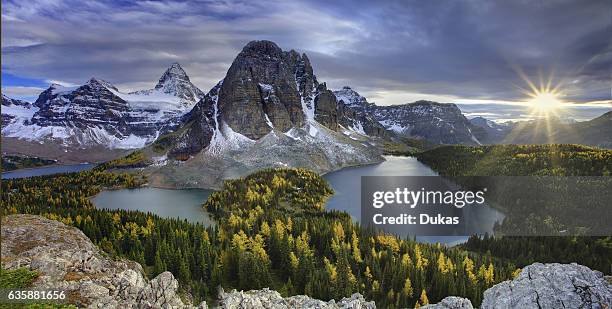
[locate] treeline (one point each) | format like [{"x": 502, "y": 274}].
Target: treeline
[
  {"x": 519, "y": 160},
  {"x": 10, "y": 163},
  {"x": 533, "y": 160},
  {"x": 272, "y": 232},
  {"x": 594, "y": 252},
  {"x": 134, "y": 159}
]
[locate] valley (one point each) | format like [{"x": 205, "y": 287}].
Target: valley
[{"x": 255, "y": 184}]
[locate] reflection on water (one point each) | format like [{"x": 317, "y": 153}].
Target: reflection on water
[
  {"x": 347, "y": 186},
  {"x": 182, "y": 204},
  {"x": 47, "y": 170}
]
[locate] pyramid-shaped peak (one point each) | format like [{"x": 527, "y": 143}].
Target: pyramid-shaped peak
[
  {"x": 174, "y": 73},
  {"x": 175, "y": 68},
  {"x": 175, "y": 82},
  {"x": 96, "y": 83}
]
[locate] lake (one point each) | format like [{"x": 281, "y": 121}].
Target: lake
[
  {"x": 187, "y": 204},
  {"x": 347, "y": 186},
  {"x": 182, "y": 204},
  {"x": 47, "y": 170}
]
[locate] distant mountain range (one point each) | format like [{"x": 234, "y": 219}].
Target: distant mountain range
[
  {"x": 269, "y": 110},
  {"x": 97, "y": 113},
  {"x": 596, "y": 132}
]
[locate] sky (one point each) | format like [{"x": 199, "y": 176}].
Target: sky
[{"x": 478, "y": 54}]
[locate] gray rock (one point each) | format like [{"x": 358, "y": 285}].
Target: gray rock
[
  {"x": 438, "y": 123},
  {"x": 326, "y": 109},
  {"x": 451, "y": 302},
  {"x": 66, "y": 259},
  {"x": 353, "y": 113},
  {"x": 269, "y": 299},
  {"x": 261, "y": 87},
  {"x": 551, "y": 286}
]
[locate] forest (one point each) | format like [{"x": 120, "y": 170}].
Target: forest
[
  {"x": 10, "y": 163},
  {"x": 272, "y": 231},
  {"x": 532, "y": 160}
]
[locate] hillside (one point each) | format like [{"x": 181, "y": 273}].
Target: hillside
[
  {"x": 542, "y": 160},
  {"x": 273, "y": 219}
]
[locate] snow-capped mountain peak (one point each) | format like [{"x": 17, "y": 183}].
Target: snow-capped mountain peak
[
  {"x": 96, "y": 83},
  {"x": 174, "y": 72},
  {"x": 175, "y": 82},
  {"x": 350, "y": 97},
  {"x": 98, "y": 113}
]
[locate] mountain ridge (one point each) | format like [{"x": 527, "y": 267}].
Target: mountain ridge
[{"x": 97, "y": 113}]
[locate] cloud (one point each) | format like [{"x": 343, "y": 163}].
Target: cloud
[
  {"x": 393, "y": 51},
  {"x": 21, "y": 92}
]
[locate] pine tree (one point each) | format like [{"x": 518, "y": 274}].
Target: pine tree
[{"x": 423, "y": 299}]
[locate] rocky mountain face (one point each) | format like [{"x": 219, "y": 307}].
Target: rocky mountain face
[
  {"x": 354, "y": 111},
  {"x": 14, "y": 110},
  {"x": 66, "y": 259},
  {"x": 438, "y": 123},
  {"x": 98, "y": 114},
  {"x": 269, "y": 111},
  {"x": 489, "y": 132}
]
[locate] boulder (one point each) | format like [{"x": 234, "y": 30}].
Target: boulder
[
  {"x": 67, "y": 260},
  {"x": 269, "y": 299},
  {"x": 451, "y": 302},
  {"x": 551, "y": 286}
]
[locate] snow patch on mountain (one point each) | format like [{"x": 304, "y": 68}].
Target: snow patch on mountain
[
  {"x": 350, "y": 97},
  {"x": 97, "y": 113}
]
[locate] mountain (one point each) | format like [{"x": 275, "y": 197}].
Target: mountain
[
  {"x": 98, "y": 115},
  {"x": 595, "y": 132},
  {"x": 14, "y": 110},
  {"x": 176, "y": 83},
  {"x": 354, "y": 111},
  {"x": 268, "y": 111},
  {"x": 489, "y": 132},
  {"x": 438, "y": 123}
]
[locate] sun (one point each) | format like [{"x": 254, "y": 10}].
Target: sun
[{"x": 545, "y": 102}]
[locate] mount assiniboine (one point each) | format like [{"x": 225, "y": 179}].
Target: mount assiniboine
[{"x": 269, "y": 110}]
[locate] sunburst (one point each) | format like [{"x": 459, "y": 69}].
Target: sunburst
[{"x": 543, "y": 100}]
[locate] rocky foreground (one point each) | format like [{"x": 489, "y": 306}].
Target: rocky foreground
[{"x": 66, "y": 259}]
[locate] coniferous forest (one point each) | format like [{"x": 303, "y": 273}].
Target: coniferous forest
[
  {"x": 530, "y": 160},
  {"x": 272, "y": 230}
]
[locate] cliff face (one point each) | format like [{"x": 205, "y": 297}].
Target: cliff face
[
  {"x": 66, "y": 259},
  {"x": 260, "y": 89}
]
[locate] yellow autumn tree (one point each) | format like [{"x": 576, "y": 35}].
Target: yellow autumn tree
[
  {"x": 355, "y": 247},
  {"x": 407, "y": 290},
  {"x": 423, "y": 299}
]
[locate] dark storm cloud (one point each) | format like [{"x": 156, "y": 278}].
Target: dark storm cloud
[{"x": 392, "y": 51}]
